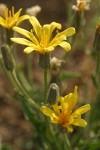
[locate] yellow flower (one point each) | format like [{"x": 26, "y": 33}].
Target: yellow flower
[
  {"x": 11, "y": 19},
  {"x": 63, "y": 114},
  {"x": 41, "y": 39}
]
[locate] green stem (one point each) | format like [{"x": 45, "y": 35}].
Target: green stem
[
  {"x": 17, "y": 86},
  {"x": 97, "y": 71},
  {"x": 29, "y": 68},
  {"x": 53, "y": 136},
  {"x": 97, "y": 63},
  {"x": 27, "y": 97},
  {"x": 67, "y": 142},
  {"x": 45, "y": 83},
  {"x": 68, "y": 4}
]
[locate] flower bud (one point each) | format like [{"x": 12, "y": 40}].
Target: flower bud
[
  {"x": 33, "y": 11},
  {"x": 44, "y": 60},
  {"x": 77, "y": 20},
  {"x": 96, "y": 43},
  {"x": 7, "y": 57},
  {"x": 3, "y": 7},
  {"x": 53, "y": 94},
  {"x": 55, "y": 65}
]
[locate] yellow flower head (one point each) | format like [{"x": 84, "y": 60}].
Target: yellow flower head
[
  {"x": 82, "y": 5},
  {"x": 11, "y": 19},
  {"x": 41, "y": 38},
  {"x": 63, "y": 113}
]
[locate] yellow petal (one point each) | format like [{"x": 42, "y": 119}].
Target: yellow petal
[
  {"x": 65, "y": 45},
  {"x": 57, "y": 40},
  {"x": 46, "y": 111},
  {"x": 79, "y": 122},
  {"x": 36, "y": 25},
  {"x": 71, "y": 99},
  {"x": 81, "y": 110},
  {"x": 49, "y": 49},
  {"x": 1, "y": 20},
  {"x": 17, "y": 14},
  {"x": 68, "y": 32},
  {"x": 64, "y": 106},
  {"x": 56, "y": 109},
  {"x": 54, "y": 118},
  {"x": 54, "y": 25},
  {"x": 22, "y": 41},
  {"x": 69, "y": 127},
  {"x": 28, "y": 50},
  {"x": 45, "y": 38},
  {"x": 27, "y": 34},
  {"x": 22, "y": 18}
]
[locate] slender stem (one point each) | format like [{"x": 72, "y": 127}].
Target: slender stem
[
  {"x": 17, "y": 86},
  {"x": 68, "y": 4},
  {"x": 97, "y": 63},
  {"x": 67, "y": 141},
  {"x": 30, "y": 101},
  {"x": 29, "y": 68},
  {"x": 45, "y": 82},
  {"x": 53, "y": 135},
  {"x": 97, "y": 71}
]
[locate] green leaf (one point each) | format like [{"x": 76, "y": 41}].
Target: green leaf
[{"x": 68, "y": 75}]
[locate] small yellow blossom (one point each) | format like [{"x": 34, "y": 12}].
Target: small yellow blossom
[
  {"x": 63, "y": 113},
  {"x": 11, "y": 19},
  {"x": 41, "y": 38},
  {"x": 82, "y": 5}
]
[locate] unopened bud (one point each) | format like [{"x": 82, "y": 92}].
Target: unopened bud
[
  {"x": 55, "y": 65},
  {"x": 96, "y": 43},
  {"x": 44, "y": 60},
  {"x": 7, "y": 57},
  {"x": 33, "y": 11},
  {"x": 3, "y": 7},
  {"x": 53, "y": 94},
  {"x": 77, "y": 20}
]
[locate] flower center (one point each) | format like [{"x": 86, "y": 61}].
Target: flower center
[{"x": 64, "y": 118}]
